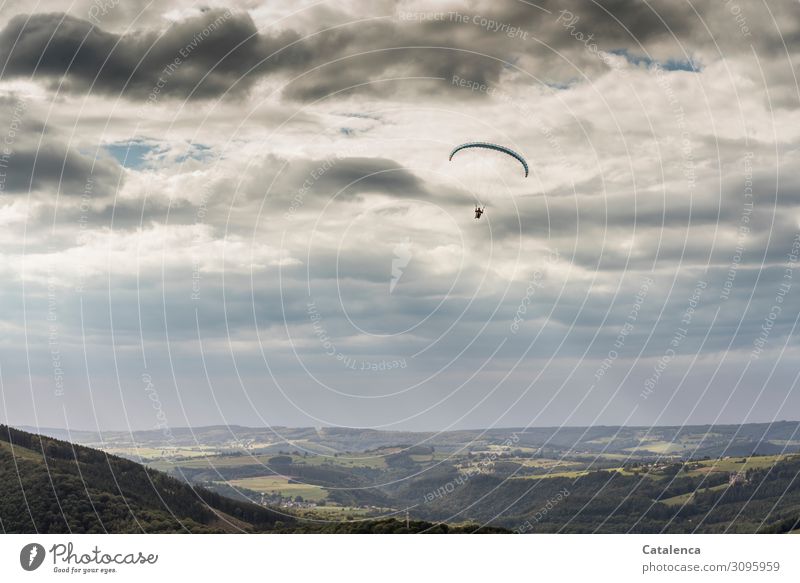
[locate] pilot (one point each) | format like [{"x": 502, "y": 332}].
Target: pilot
[{"x": 478, "y": 211}]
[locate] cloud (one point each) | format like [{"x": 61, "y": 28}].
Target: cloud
[
  {"x": 199, "y": 57},
  {"x": 222, "y": 52},
  {"x": 330, "y": 152},
  {"x": 37, "y": 159},
  {"x": 53, "y": 166},
  {"x": 206, "y": 54}
]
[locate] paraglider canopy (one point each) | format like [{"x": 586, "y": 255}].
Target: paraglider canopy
[{"x": 496, "y": 147}]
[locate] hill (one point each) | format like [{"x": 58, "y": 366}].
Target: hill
[
  {"x": 53, "y": 486},
  {"x": 690, "y": 441},
  {"x": 49, "y": 485},
  {"x": 722, "y": 478}
]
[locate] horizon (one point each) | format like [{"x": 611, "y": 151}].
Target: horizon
[{"x": 498, "y": 428}]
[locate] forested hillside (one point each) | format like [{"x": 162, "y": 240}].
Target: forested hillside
[{"x": 53, "y": 486}]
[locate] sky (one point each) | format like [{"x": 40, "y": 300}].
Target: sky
[{"x": 244, "y": 213}]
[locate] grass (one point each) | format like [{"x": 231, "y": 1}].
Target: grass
[
  {"x": 281, "y": 485},
  {"x": 232, "y": 461},
  {"x": 601, "y": 440},
  {"x": 21, "y": 452},
  {"x": 546, "y": 463},
  {"x": 583, "y": 472},
  {"x": 565, "y": 474},
  {"x": 611, "y": 456},
  {"x": 421, "y": 458},
  {"x": 334, "y": 512},
  {"x": 345, "y": 460},
  {"x": 735, "y": 464},
  {"x": 662, "y": 447},
  {"x": 684, "y": 498},
  {"x": 155, "y": 453}
]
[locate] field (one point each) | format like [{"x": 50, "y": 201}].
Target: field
[
  {"x": 280, "y": 485},
  {"x": 660, "y": 447},
  {"x": 684, "y": 498},
  {"x": 735, "y": 464},
  {"x": 549, "y": 475},
  {"x": 20, "y": 453},
  {"x": 210, "y": 461},
  {"x": 337, "y": 513},
  {"x": 146, "y": 454}
]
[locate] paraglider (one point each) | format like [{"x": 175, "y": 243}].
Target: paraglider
[
  {"x": 494, "y": 147},
  {"x": 497, "y": 148}
]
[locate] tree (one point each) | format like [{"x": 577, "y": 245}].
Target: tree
[{"x": 280, "y": 460}]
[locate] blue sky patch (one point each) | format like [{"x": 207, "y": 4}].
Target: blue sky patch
[
  {"x": 141, "y": 153},
  {"x": 132, "y": 154},
  {"x": 668, "y": 65}
]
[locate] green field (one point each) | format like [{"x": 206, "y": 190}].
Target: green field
[
  {"x": 660, "y": 447},
  {"x": 564, "y": 474},
  {"x": 735, "y": 464},
  {"x": 280, "y": 485},
  {"x": 365, "y": 461},
  {"x": 233, "y": 461},
  {"x": 21, "y": 453},
  {"x": 684, "y": 498},
  {"x": 422, "y": 458},
  {"x": 147, "y": 454},
  {"x": 336, "y": 512},
  {"x": 541, "y": 462}
]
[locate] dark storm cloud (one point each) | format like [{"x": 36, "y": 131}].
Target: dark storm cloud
[
  {"x": 623, "y": 20},
  {"x": 447, "y": 41},
  {"x": 303, "y": 180},
  {"x": 56, "y": 167},
  {"x": 221, "y": 51},
  {"x": 203, "y": 56},
  {"x": 386, "y": 65},
  {"x": 358, "y": 175},
  {"x": 35, "y": 157},
  {"x": 208, "y": 55}
]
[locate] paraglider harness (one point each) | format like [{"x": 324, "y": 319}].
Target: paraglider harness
[{"x": 478, "y": 211}]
